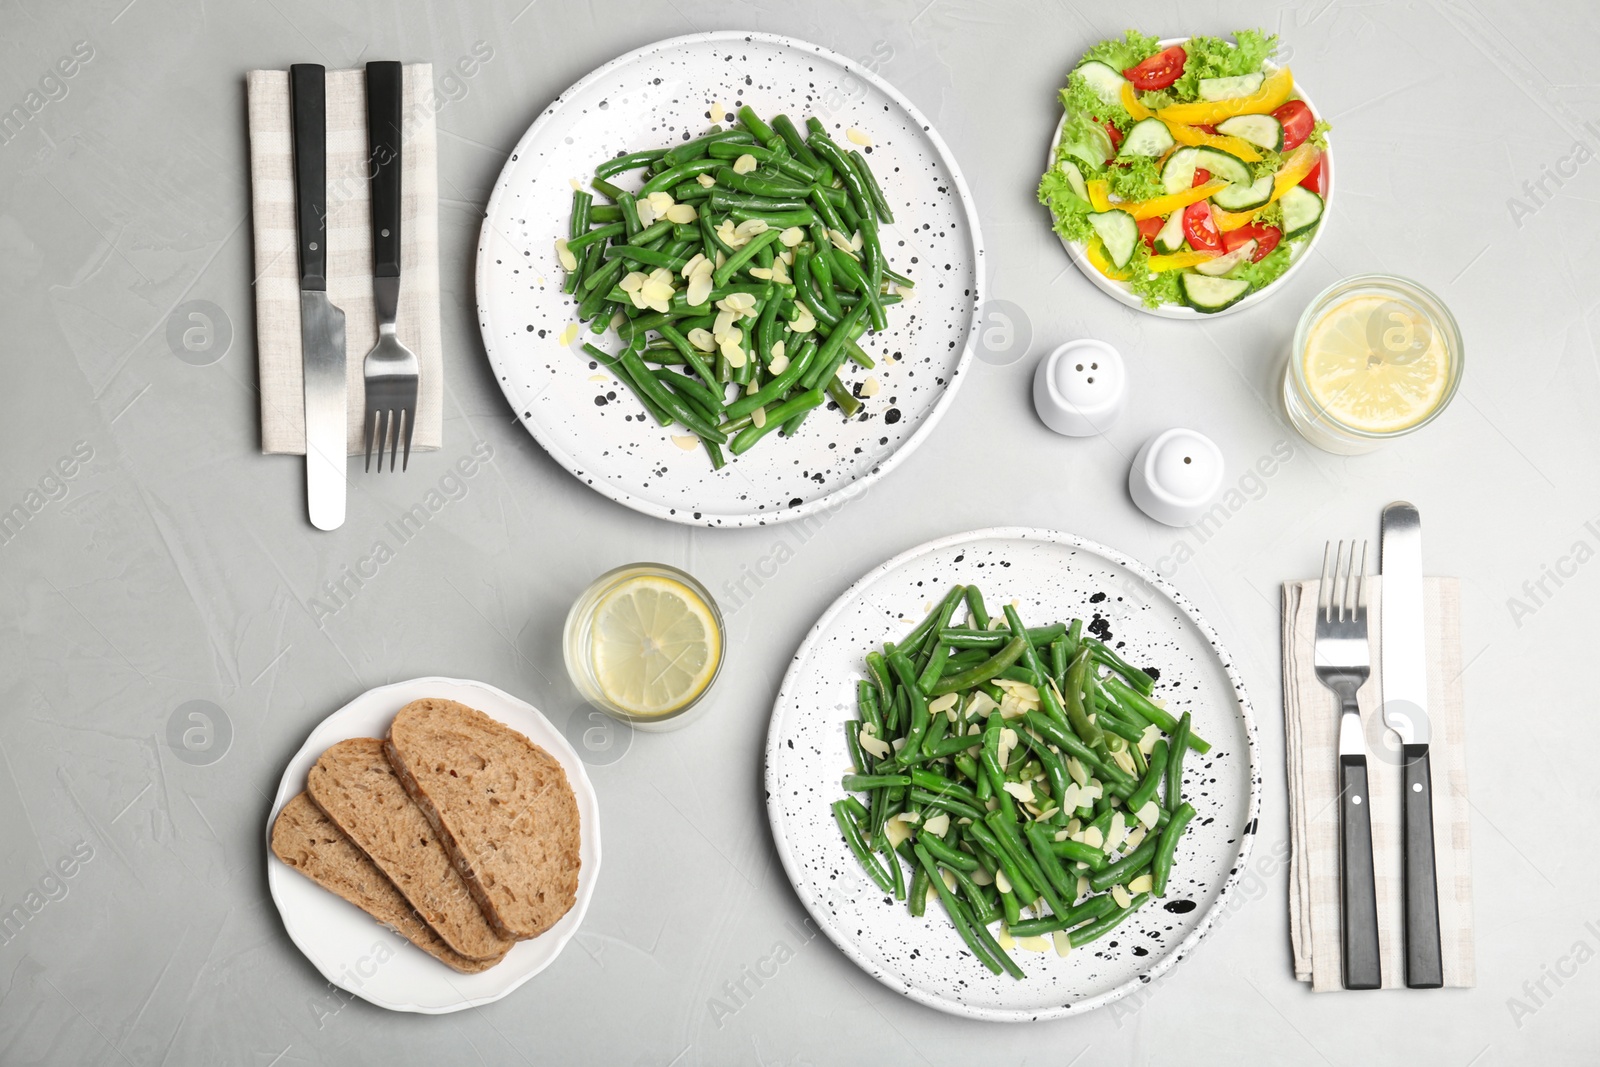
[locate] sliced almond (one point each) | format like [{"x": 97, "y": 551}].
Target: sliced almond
[
  {"x": 791, "y": 237},
  {"x": 569, "y": 261},
  {"x": 1142, "y": 884},
  {"x": 981, "y": 877},
  {"x": 694, "y": 264},
  {"x": 938, "y": 704},
  {"x": 751, "y": 227},
  {"x": 688, "y": 444},
  {"x": 744, "y": 164},
  {"x": 1001, "y": 882},
  {"x": 1021, "y": 790},
  {"x": 577, "y": 186},
  {"x": 758, "y": 419},
  {"x": 568, "y": 335},
  {"x": 661, "y": 203},
  {"x": 858, "y": 137},
  {"x": 779, "y": 364},
  {"x": 1118, "y": 831},
  {"x": 1036, "y": 943},
  {"x": 697, "y": 292},
  {"x": 645, "y": 210},
  {"x": 981, "y": 703},
  {"x": 938, "y": 824},
  {"x": 763, "y": 273},
  {"x": 871, "y": 742},
  {"x": 1063, "y": 942},
  {"x": 706, "y": 181},
  {"x": 719, "y": 111},
  {"x": 682, "y": 214},
  {"x": 1134, "y": 839},
  {"x": 896, "y": 831},
  {"x": 804, "y": 321},
  {"x": 1149, "y": 814},
  {"x": 699, "y": 337},
  {"x": 1076, "y": 769},
  {"x": 1121, "y": 896},
  {"x": 1092, "y": 837},
  {"x": 633, "y": 281}
]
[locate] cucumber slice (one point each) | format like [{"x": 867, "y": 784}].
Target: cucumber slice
[
  {"x": 1106, "y": 83},
  {"x": 1214, "y": 89},
  {"x": 1178, "y": 174},
  {"x": 1263, "y": 131},
  {"x": 1211, "y": 294},
  {"x": 1170, "y": 239},
  {"x": 1244, "y": 197},
  {"x": 1216, "y": 268},
  {"x": 1119, "y": 232},
  {"x": 1222, "y": 164},
  {"x": 1149, "y": 137},
  {"x": 1302, "y": 210},
  {"x": 1074, "y": 177}
]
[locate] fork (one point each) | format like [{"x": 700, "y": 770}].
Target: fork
[
  {"x": 1343, "y": 662},
  {"x": 390, "y": 370}
]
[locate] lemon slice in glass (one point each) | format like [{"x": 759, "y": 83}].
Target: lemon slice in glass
[
  {"x": 1376, "y": 364},
  {"x": 655, "y": 645}
]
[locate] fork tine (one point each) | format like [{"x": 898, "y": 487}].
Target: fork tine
[
  {"x": 1360, "y": 606},
  {"x": 386, "y": 417},
  {"x": 366, "y": 437},
  {"x": 405, "y": 414},
  {"x": 1325, "y": 587},
  {"x": 395, "y": 415},
  {"x": 1341, "y": 579}
]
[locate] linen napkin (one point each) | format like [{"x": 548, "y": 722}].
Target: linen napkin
[
  {"x": 1311, "y": 726},
  {"x": 349, "y": 243}
]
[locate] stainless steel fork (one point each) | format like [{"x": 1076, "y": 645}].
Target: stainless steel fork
[
  {"x": 1343, "y": 662},
  {"x": 390, "y": 370}
]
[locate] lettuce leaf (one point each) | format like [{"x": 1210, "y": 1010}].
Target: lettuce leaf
[
  {"x": 1084, "y": 140},
  {"x": 1069, "y": 212},
  {"x": 1079, "y": 99},
  {"x": 1153, "y": 289},
  {"x": 1137, "y": 178},
  {"x": 1265, "y": 272},
  {"x": 1134, "y": 48},
  {"x": 1214, "y": 57}
]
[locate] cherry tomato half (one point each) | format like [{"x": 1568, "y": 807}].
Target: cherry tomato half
[
  {"x": 1316, "y": 181},
  {"x": 1148, "y": 228},
  {"x": 1201, "y": 176},
  {"x": 1200, "y": 228},
  {"x": 1265, "y": 237},
  {"x": 1297, "y": 121},
  {"x": 1160, "y": 70},
  {"x": 1112, "y": 132}
]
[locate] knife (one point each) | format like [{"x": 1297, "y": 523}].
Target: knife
[
  {"x": 321, "y": 324},
  {"x": 1405, "y": 710}
]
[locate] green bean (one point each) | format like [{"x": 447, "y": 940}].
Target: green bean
[
  {"x": 907, "y": 676},
  {"x": 1180, "y": 745},
  {"x": 852, "y": 837},
  {"x": 970, "y": 637},
  {"x": 852, "y": 744},
  {"x": 791, "y": 136},
  {"x": 1161, "y": 866},
  {"x": 634, "y": 161},
  {"x": 1127, "y": 868},
  {"x": 860, "y": 199},
  {"x": 1152, "y": 780},
  {"x": 1133, "y": 675},
  {"x": 957, "y": 807},
  {"x": 868, "y": 179},
  {"x": 1021, "y": 888},
  {"x": 625, "y": 376},
  {"x": 743, "y": 256},
  {"x": 958, "y": 916},
  {"x": 602, "y": 233},
  {"x": 1005, "y": 832},
  {"x": 668, "y": 179},
  {"x": 1077, "y": 717},
  {"x": 913, "y": 641},
  {"x": 983, "y": 909},
  {"x": 1079, "y": 852},
  {"x": 1100, "y": 927},
  {"x": 946, "y": 855},
  {"x": 842, "y": 396},
  {"x": 788, "y": 409},
  {"x": 1133, "y": 701},
  {"x": 861, "y": 782},
  {"x": 917, "y": 898},
  {"x": 897, "y": 876},
  {"x": 1093, "y": 908},
  {"x": 980, "y": 616},
  {"x": 752, "y": 122},
  {"x": 990, "y": 668},
  {"x": 1039, "y": 841}
]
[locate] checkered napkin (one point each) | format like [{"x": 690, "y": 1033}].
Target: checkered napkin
[
  {"x": 1311, "y": 725},
  {"x": 349, "y": 250}
]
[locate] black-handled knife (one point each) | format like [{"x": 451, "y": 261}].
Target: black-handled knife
[
  {"x": 321, "y": 323},
  {"x": 1363, "y": 966},
  {"x": 1405, "y": 710}
]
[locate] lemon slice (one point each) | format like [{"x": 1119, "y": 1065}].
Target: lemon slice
[
  {"x": 656, "y": 645},
  {"x": 1376, "y": 364}
]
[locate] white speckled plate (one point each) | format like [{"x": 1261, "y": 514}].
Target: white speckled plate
[
  {"x": 658, "y": 95},
  {"x": 1052, "y": 576},
  {"x": 364, "y": 958},
  {"x": 1299, "y": 250}
]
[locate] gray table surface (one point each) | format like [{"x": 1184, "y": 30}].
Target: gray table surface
[{"x": 175, "y": 564}]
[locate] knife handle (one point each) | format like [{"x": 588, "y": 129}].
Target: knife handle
[
  {"x": 383, "y": 140},
  {"x": 1424, "y": 967},
  {"x": 307, "y": 88},
  {"x": 1357, "y": 882}
]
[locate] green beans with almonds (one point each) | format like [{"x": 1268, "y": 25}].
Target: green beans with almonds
[
  {"x": 1020, "y": 782},
  {"x": 632, "y": 248}
]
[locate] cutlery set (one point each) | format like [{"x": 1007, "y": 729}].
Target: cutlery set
[
  {"x": 1343, "y": 665},
  {"x": 390, "y": 369}
]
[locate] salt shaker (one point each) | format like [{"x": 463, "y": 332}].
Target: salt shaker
[
  {"x": 1080, "y": 388},
  {"x": 1176, "y": 476}
]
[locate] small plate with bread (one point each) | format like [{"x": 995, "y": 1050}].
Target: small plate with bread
[{"x": 434, "y": 844}]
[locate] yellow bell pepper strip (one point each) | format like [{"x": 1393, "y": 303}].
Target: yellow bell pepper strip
[
  {"x": 1099, "y": 190},
  {"x": 1166, "y": 205},
  {"x": 1180, "y": 260},
  {"x": 1237, "y": 146},
  {"x": 1274, "y": 92},
  {"x": 1097, "y": 256},
  {"x": 1130, "y": 102},
  {"x": 1294, "y": 170}
]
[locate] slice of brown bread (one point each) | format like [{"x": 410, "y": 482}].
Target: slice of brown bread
[
  {"x": 354, "y": 785},
  {"x": 307, "y": 840},
  {"x": 501, "y": 806}
]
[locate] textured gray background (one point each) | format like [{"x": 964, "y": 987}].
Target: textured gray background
[{"x": 175, "y": 564}]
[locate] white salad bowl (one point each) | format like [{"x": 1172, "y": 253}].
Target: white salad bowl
[{"x": 1123, "y": 293}]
